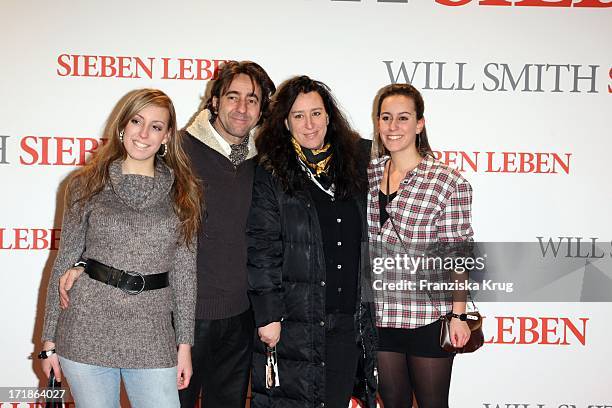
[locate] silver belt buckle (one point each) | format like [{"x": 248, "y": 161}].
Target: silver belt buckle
[{"x": 134, "y": 291}]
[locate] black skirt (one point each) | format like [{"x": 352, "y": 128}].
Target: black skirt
[{"x": 423, "y": 341}]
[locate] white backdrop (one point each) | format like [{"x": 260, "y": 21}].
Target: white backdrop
[{"x": 512, "y": 69}]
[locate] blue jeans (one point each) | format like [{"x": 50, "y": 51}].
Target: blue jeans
[{"x": 98, "y": 387}]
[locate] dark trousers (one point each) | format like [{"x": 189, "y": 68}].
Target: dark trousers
[
  {"x": 342, "y": 356},
  {"x": 221, "y": 358}
]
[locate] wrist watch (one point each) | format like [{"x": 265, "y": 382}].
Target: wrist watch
[
  {"x": 46, "y": 354},
  {"x": 463, "y": 316},
  {"x": 82, "y": 264}
]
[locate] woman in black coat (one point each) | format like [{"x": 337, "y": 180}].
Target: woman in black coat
[{"x": 308, "y": 257}]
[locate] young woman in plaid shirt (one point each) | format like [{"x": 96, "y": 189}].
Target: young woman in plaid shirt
[{"x": 413, "y": 199}]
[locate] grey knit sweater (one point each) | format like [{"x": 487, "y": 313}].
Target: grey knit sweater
[{"x": 130, "y": 225}]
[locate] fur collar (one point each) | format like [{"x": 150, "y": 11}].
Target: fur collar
[{"x": 202, "y": 130}]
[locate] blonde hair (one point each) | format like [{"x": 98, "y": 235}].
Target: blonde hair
[{"x": 186, "y": 190}]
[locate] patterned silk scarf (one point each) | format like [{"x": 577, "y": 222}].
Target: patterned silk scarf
[
  {"x": 239, "y": 151},
  {"x": 316, "y": 160}
]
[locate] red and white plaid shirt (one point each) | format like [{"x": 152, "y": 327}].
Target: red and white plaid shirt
[{"x": 433, "y": 204}]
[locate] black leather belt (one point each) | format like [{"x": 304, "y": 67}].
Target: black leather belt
[{"x": 129, "y": 282}]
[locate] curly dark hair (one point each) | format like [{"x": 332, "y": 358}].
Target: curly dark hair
[
  {"x": 226, "y": 74},
  {"x": 412, "y": 93},
  {"x": 276, "y": 152}
]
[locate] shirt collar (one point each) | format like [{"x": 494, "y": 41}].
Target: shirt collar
[{"x": 423, "y": 167}]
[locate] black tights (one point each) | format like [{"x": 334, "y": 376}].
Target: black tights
[{"x": 400, "y": 374}]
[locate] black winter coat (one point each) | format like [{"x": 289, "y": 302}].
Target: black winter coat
[{"x": 286, "y": 266}]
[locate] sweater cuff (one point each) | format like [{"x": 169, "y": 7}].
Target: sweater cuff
[
  {"x": 184, "y": 339},
  {"x": 48, "y": 333}
]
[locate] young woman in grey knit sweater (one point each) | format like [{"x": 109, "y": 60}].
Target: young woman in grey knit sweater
[{"x": 132, "y": 213}]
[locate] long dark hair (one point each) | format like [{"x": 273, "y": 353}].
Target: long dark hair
[
  {"x": 278, "y": 155},
  {"x": 411, "y": 92}
]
